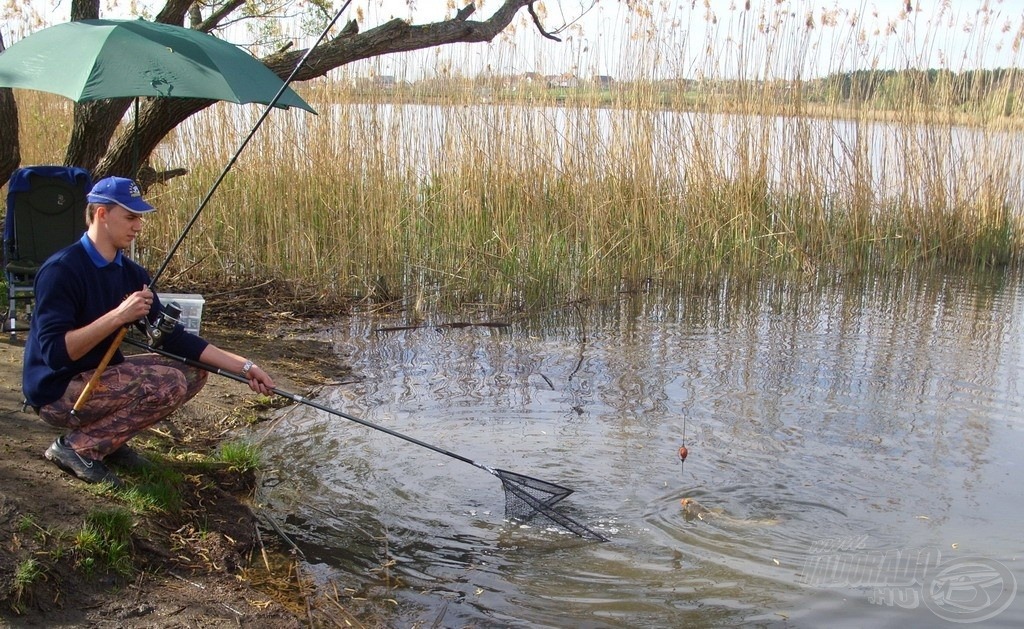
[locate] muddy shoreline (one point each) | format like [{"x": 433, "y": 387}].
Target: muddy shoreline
[{"x": 215, "y": 562}]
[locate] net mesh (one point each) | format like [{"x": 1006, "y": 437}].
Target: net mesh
[{"x": 527, "y": 497}]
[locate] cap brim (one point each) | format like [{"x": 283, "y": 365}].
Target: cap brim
[
  {"x": 149, "y": 208},
  {"x": 137, "y": 207}
]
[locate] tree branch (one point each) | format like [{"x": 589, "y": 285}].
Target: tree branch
[
  {"x": 218, "y": 16},
  {"x": 540, "y": 27},
  {"x": 173, "y": 12},
  {"x": 396, "y": 36}
]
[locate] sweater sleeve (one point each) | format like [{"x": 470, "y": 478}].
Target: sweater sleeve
[
  {"x": 185, "y": 343},
  {"x": 55, "y": 308}
]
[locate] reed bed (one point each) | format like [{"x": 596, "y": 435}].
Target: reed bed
[{"x": 497, "y": 190}]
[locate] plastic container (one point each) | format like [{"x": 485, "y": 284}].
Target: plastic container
[{"x": 191, "y": 309}]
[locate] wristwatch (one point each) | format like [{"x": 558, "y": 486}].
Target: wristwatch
[{"x": 246, "y": 367}]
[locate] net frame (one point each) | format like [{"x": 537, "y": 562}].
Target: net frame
[{"x": 527, "y": 497}]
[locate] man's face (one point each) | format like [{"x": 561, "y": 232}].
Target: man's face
[{"x": 122, "y": 226}]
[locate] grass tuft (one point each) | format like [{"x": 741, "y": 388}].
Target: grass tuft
[
  {"x": 104, "y": 541},
  {"x": 157, "y": 488},
  {"x": 238, "y": 456}
]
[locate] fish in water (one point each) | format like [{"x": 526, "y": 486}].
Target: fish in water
[{"x": 693, "y": 510}]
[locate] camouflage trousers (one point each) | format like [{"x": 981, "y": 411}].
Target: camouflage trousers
[{"x": 127, "y": 399}]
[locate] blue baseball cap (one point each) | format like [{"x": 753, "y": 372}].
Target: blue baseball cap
[{"x": 122, "y": 191}]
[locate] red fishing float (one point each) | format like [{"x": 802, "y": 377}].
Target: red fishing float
[{"x": 683, "y": 452}]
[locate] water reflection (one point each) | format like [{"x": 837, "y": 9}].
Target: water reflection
[{"x": 881, "y": 417}]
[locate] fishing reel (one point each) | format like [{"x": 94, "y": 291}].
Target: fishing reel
[{"x": 159, "y": 330}]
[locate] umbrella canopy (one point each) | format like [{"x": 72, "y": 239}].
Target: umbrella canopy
[{"x": 96, "y": 59}]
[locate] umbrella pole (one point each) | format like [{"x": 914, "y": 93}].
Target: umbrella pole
[
  {"x": 87, "y": 391},
  {"x": 135, "y": 155},
  {"x": 135, "y": 142}
]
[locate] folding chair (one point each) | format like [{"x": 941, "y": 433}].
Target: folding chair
[{"x": 45, "y": 213}]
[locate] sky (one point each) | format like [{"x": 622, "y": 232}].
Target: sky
[{"x": 681, "y": 38}]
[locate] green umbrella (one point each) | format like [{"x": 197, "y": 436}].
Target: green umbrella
[{"x": 96, "y": 59}]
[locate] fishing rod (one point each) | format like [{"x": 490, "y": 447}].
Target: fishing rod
[
  {"x": 116, "y": 343},
  {"x": 245, "y": 142},
  {"x": 525, "y": 496}
]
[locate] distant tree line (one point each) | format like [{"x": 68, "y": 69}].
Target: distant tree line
[{"x": 997, "y": 91}]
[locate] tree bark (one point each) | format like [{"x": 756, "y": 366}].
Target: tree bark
[
  {"x": 132, "y": 148},
  {"x": 85, "y": 10},
  {"x": 10, "y": 146},
  {"x": 94, "y": 125}
]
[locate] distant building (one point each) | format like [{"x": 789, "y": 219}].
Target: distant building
[
  {"x": 603, "y": 80},
  {"x": 385, "y": 82},
  {"x": 568, "y": 80}
]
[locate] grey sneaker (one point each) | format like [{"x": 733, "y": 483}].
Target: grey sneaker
[
  {"x": 128, "y": 458},
  {"x": 89, "y": 470}
]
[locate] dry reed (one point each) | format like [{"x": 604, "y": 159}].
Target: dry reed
[{"x": 503, "y": 191}]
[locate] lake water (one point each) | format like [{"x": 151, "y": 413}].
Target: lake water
[{"x": 861, "y": 446}]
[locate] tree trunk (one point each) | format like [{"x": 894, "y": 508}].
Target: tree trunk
[
  {"x": 93, "y": 127},
  {"x": 132, "y": 147},
  {"x": 10, "y": 147},
  {"x": 85, "y": 10}
]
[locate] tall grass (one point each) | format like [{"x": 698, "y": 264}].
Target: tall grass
[{"x": 736, "y": 162}]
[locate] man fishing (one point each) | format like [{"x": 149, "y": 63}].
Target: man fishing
[{"x": 85, "y": 295}]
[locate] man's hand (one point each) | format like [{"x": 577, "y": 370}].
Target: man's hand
[
  {"x": 259, "y": 380},
  {"x": 135, "y": 307}
]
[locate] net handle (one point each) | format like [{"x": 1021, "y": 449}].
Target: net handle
[{"x": 510, "y": 481}]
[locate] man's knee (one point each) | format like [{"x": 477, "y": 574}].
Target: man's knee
[
  {"x": 196, "y": 380},
  {"x": 170, "y": 388}
]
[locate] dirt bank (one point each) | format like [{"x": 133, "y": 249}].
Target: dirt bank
[{"x": 204, "y": 566}]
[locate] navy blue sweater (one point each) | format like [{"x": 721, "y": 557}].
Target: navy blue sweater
[{"x": 73, "y": 288}]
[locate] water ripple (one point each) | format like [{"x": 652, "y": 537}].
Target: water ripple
[{"x": 822, "y": 424}]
